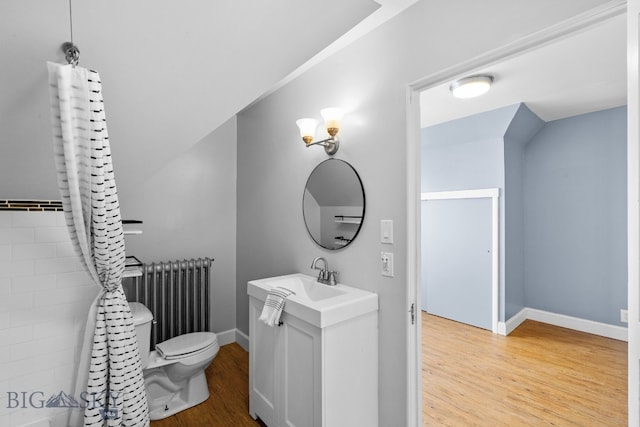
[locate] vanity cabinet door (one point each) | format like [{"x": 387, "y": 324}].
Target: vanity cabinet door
[
  {"x": 301, "y": 374},
  {"x": 263, "y": 366},
  {"x": 284, "y": 371}
]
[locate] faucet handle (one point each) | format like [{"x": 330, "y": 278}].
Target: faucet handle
[{"x": 332, "y": 278}]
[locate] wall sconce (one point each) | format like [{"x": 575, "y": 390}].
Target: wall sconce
[{"x": 332, "y": 117}]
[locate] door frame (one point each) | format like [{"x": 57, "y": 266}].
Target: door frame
[
  {"x": 494, "y": 195},
  {"x": 532, "y": 41},
  {"x": 633, "y": 210}
]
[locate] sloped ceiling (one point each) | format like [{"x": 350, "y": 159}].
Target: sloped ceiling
[{"x": 172, "y": 71}]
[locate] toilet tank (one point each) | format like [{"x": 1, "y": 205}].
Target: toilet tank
[{"x": 142, "y": 319}]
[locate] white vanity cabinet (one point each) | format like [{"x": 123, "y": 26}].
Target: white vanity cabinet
[{"x": 306, "y": 375}]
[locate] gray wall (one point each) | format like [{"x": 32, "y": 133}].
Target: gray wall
[
  {"x": 189, "y": 211},
  {"x": 369, "y": 79},
  {"x": 575, "y": 217}
]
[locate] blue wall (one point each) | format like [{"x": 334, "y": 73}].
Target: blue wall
[
  {"x": 575, "y": 217},
  {"x": 522, "y": 128},
  {"x": 563, "y": 203},
  {"x": 465, "y": 154}
]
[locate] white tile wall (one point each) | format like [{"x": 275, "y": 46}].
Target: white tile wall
[{"x": 44, "y": 300}]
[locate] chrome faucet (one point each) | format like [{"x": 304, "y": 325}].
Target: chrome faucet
[{"x": 324, "y": 276}]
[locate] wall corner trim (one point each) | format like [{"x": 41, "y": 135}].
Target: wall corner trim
[
  {"x": 589, "y": 326},
  {"x": 226, "y": 337},
  {"x": 242, "y": 339},
  {"x": 505, "y": 328},
  {"x": 233, "y": 335}
]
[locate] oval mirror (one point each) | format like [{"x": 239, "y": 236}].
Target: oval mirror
[{"x": 333, "y": 204}]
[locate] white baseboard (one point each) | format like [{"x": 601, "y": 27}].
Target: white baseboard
[
  {"x": 575, "y": 323},
  {"x": 589, "y": 326},
  {"x": 226, "y": 337},
  {"x": 233, "y": 335}
]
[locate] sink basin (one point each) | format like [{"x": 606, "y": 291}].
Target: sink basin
[
  {"x": 305, "y": 287},
  {"x": 316, "y": 303}
]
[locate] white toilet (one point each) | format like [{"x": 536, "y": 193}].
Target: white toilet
[{"x": 174, "y": 373}]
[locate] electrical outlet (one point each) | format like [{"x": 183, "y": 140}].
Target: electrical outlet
[
  {"x": 624, "y": 315},
  {"x": 386, "y": 264}
]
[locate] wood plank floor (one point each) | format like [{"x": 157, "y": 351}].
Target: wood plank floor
[
  {"x": 228, "y": 404},
  {"x": 540, "y": 375}
]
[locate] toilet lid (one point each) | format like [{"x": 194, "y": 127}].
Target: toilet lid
[{"x": 187, "y": 344}]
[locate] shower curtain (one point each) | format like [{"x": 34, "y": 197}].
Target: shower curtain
[{"x": 110, "y": 384}]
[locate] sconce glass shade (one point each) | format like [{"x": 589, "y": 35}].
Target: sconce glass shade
[
  {"x": 307, "y": 129},
  {"x": 470, "y": 87},
  {"x": 332, "y": 118}
]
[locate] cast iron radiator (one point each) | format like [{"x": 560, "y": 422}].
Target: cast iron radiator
[{"x": 177, "y": 293}]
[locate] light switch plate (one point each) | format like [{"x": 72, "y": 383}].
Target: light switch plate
[
  {"x": 386, "y": 231},
  {"x": 386, "y": 264}
]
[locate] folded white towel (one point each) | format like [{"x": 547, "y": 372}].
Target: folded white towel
[{"x": 273, "y": 305}]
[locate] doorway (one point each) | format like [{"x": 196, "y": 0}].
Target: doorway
[{"x": 414, "y": 123}]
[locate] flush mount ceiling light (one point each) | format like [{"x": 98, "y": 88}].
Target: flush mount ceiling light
[
  {"x": 470, "y": 87},
  {"x": 332, "y": 118}
]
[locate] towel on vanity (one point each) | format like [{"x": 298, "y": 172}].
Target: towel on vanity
[{"x": 273, "y": 305}]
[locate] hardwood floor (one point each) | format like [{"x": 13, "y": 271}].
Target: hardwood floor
[
  {"x": 540, "y": 375},
  {"x": 228, "y": 404}
]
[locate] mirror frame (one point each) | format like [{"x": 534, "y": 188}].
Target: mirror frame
[{"x": 364, "y": 203}]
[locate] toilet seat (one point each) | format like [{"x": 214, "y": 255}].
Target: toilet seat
[{"x": 187, "y": 345}]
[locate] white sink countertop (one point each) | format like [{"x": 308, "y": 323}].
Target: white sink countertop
[{"x": 316, "y": 303}]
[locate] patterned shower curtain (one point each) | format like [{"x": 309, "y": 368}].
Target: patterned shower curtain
[{"x": 110, "y": 380}]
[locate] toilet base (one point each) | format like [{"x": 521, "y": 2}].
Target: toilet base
[{"x": 165, "y": 404}]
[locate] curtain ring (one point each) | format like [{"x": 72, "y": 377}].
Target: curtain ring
[{"x": 71, "y": 53}]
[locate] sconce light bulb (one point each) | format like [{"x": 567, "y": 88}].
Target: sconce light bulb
[
  {"x": 307, "y": 129},
  {"x": 332, "y": 118}
]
